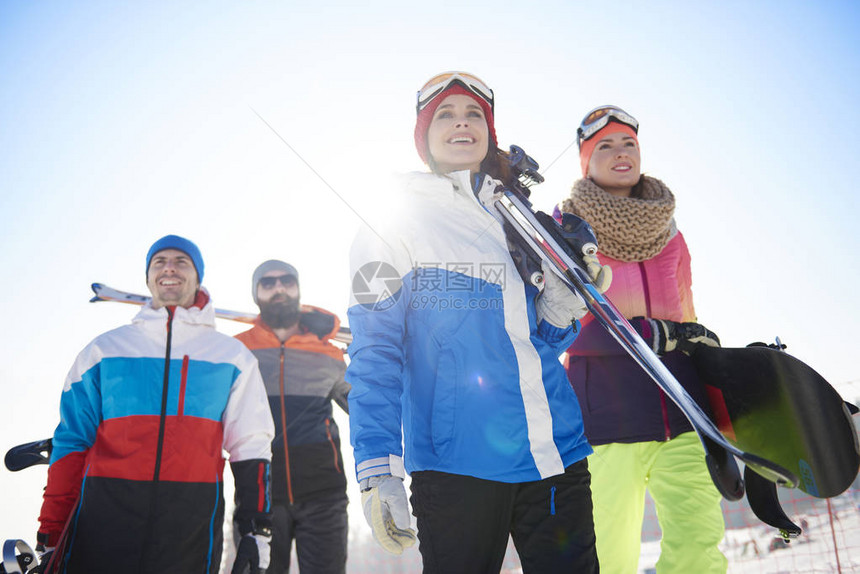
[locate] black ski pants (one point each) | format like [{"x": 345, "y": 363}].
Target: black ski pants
[
  {"x": 319, "y": 528},
  {"x": 464, "y": 523}
]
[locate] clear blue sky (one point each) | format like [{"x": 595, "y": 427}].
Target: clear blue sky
[{"x": 121, "y": 122}]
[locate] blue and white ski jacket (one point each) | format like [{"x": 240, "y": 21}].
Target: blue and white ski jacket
[{"x": 446, "y": 343}]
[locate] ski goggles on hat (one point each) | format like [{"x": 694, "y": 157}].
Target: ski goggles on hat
[
  {"x": 598, "y": 118},
  {"x": 441, "y": 82}
]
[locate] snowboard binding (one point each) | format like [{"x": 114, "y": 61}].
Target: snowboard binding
[{"x": 18, "y": 558}]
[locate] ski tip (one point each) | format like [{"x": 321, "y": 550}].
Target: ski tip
[{"x": 96, "y": 287}]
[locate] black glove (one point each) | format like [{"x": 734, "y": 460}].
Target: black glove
[
  {"x": 43, "y": 562},
  {"x": 45, "y": 555},
  {"x": 666, "y": 336},
  {"x": 253, "y": 554},
  {"x": 255, "y": 527}
]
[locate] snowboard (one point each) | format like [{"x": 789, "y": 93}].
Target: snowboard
[
  {"x": 766, "y": 401},
  {"x": 18, "y": 556}
]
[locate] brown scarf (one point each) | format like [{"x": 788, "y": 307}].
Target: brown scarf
[{"x": 627, "y": 228}]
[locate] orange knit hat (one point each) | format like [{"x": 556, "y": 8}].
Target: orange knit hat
[{"x": 588, "y": 145}]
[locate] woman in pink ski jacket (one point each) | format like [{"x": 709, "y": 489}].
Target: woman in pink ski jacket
[{"x": 641, "y": 439}]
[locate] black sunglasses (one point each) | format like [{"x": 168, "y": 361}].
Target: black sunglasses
[{"x": 269, "y": 282}]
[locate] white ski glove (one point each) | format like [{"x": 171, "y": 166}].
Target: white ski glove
[
  {"x": 557, "y": 303},
  {"x": 383, "y": 499},
  {"x": 601, "y": 275}
]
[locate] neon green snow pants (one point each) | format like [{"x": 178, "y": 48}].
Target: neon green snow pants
[{"x": 687, "y": 504}]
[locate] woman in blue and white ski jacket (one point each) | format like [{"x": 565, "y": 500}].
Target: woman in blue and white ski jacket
[{"x": 451, "y": 346}]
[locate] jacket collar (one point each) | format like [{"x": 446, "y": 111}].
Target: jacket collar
[
  {"x": 456, "y": 183},
  {"x": 201, "y": 313}
]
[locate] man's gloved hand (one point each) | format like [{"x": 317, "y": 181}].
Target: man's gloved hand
[
  {"x": 601, "y": 275},
  {"x": 383, "y": 499},
  {"x": 665, "y": 336},
  {"x": 45, "y": 553},
  {"x": 254, "y": 552},
  {"x": 557, "y": 303}
]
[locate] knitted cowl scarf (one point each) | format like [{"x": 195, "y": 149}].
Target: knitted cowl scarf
[{"x": 627, "y": 228}]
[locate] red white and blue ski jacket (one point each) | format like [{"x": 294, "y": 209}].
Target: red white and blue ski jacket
[
  {"x": 446, "y": 343},
  {"x": 145, "y": 413}
]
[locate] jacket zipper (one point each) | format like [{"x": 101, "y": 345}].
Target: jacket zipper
[
  {"x": 153, "y": 511},
  {"x": 331, "y": 442},
  {"x": 667, "y": 430},
  {"x": 284, "y": 428},
  {"x": 164, "y": 388}
]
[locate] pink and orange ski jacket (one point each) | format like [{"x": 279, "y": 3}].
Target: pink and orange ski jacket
[{"x": 620, "y": 402}]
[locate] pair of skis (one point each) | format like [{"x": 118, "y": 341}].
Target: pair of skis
[
  {"x": 562, "y": 247},
  {"x": 104, "y": 293}
]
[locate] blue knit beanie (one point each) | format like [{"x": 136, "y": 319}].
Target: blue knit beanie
[{"x": 180, "y": 244}]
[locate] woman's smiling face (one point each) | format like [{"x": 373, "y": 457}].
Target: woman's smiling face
[
  {"x": 458, "y": 137},
  {"x": 615, "y": 163}
]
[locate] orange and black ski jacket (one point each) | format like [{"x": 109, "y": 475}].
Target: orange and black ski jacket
[{"x": 303, "y": 376}]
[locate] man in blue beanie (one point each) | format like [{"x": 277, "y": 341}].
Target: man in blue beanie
[
  {"x": 177, "y": 271},
  {"x": 146, "y": 412}
]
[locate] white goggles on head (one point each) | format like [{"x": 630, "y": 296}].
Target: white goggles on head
[
  {"x": 598, "y": 118},
  {"x": 441, "y": 82}
]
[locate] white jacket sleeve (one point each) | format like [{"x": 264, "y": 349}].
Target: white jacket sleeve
[{"x": 248, "y": 426}]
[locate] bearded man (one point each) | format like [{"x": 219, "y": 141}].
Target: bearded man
[{"x": 303, "y": 373}]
